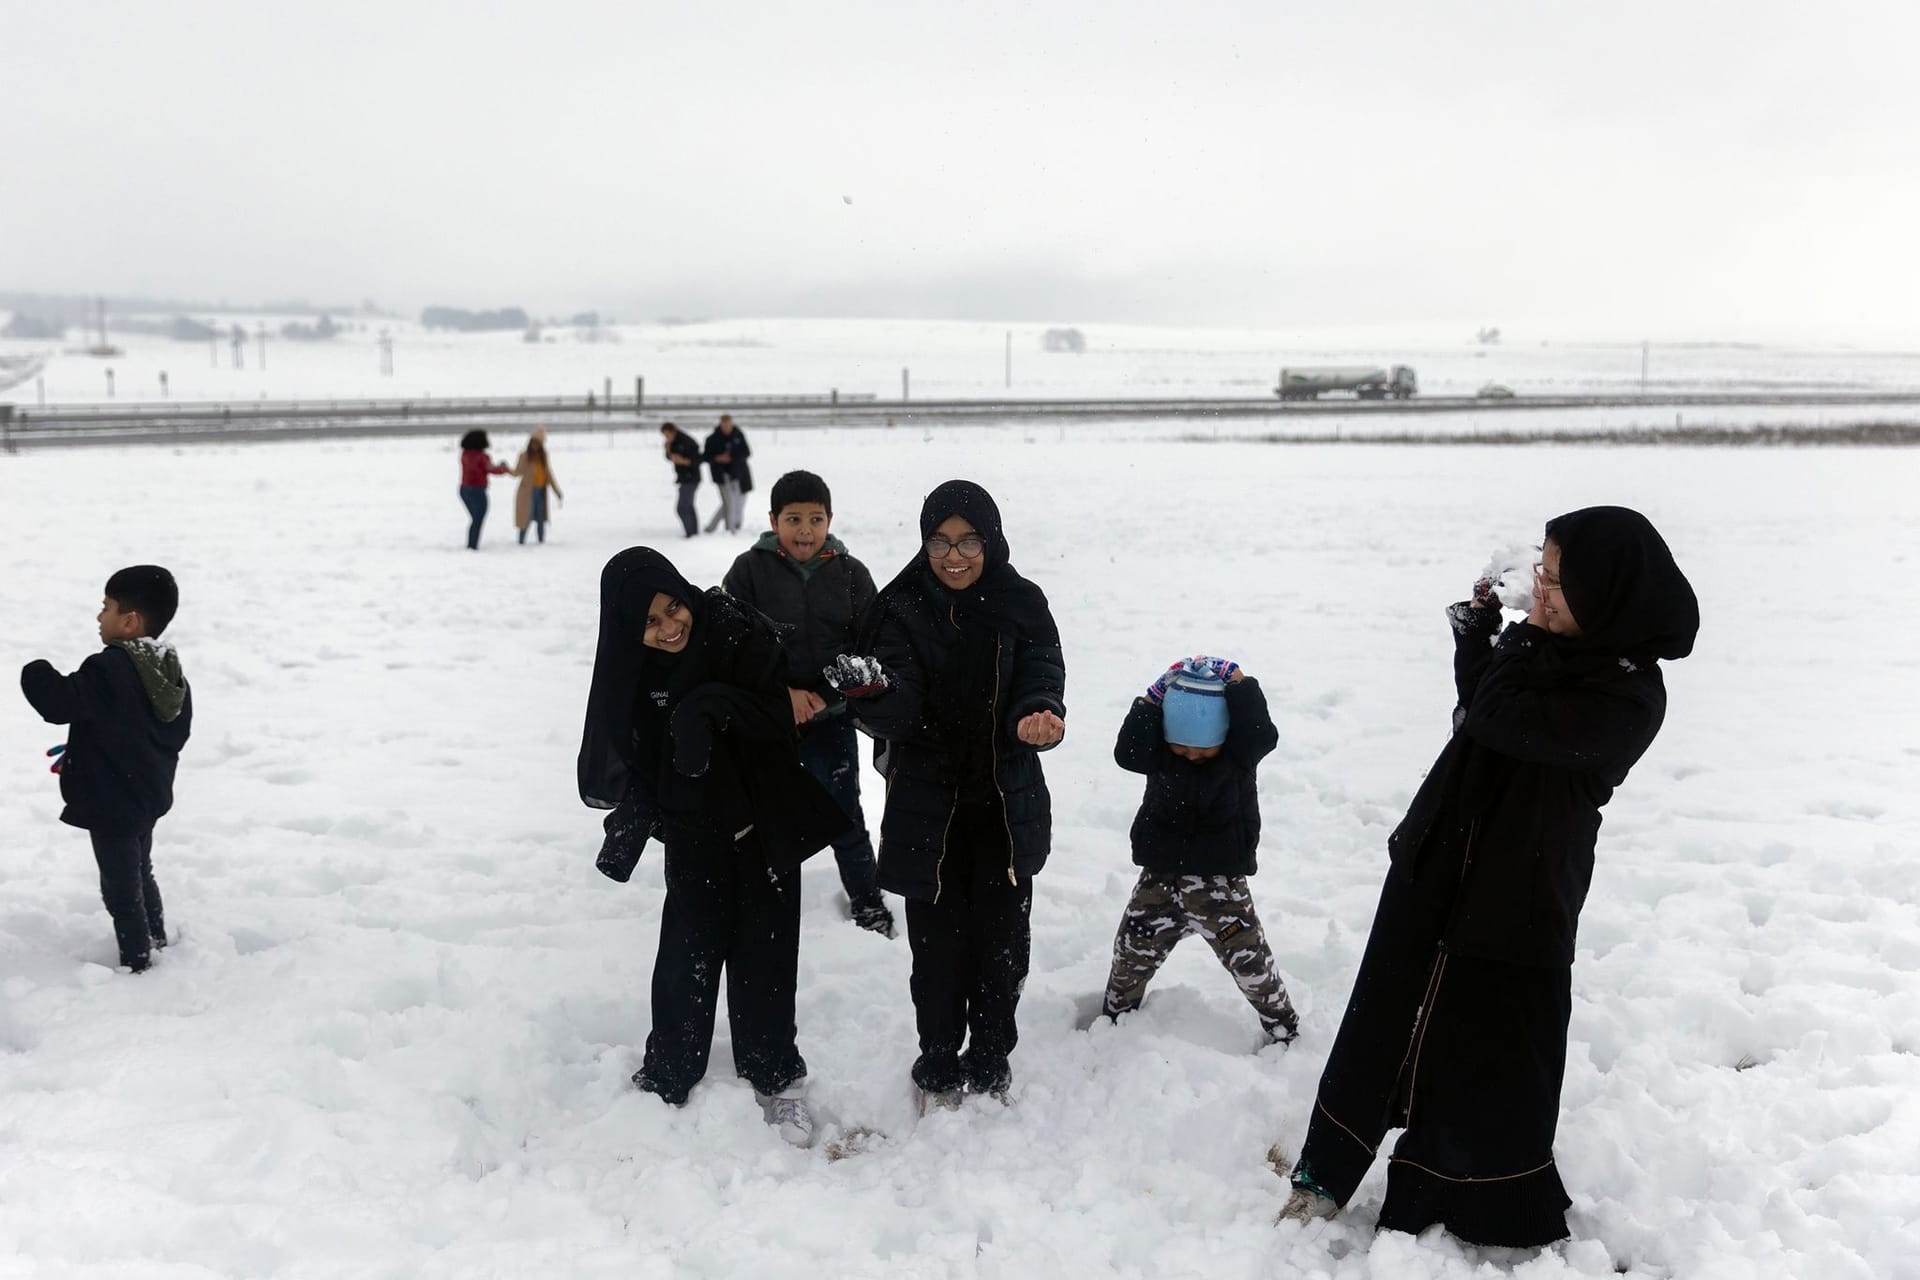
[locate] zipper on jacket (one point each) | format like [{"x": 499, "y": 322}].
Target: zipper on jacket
[
  {"x": 941, "y": 859},
  {"x": 1013, "y": 875}
]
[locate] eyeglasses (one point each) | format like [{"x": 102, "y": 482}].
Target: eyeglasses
[
  {"x": 1545, "y": 583},
  {"x": 970, "y": 546}
]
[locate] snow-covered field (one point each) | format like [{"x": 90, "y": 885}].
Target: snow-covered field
[
  {"x": 394, "y": 1036},
  {"x": 945, "y": 358}
]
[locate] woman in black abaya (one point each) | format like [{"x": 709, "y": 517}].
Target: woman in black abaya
[
  {"x": 1457, "y": 1026},
  {"x": 689, "y": 736}
]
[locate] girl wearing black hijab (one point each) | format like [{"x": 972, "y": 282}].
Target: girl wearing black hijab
[
  {"x": 971, "y": 690},
  {"x": 690, "y": 737},
  {"x": 1457, "y": 1027}
]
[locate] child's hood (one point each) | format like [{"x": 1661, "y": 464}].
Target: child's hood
[
  {"x": 158, "y": 663},
  {"x": 830, "y": 546}
]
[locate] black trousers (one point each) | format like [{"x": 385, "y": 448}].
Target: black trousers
[
  {"x": 688, "y": 519},
  {"x": 831, "y": 753},
  {"x": 971, "y": 946},
  {"x": 127, "y": 888},
  {"x": 724, "y": 913}
]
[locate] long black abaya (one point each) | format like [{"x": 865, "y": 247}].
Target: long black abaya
[{"x": 1457, "y": 1026}]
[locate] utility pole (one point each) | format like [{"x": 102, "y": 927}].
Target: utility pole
[
  {"x": 261, "y": 332},
  {"x": 904, "y": 384},
  {"x": 238, "y": 341}
]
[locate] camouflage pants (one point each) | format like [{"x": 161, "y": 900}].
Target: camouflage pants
[{"x": 1165, "y": 909}]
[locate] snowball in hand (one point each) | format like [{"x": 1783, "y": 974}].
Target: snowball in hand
[{"x": 1510, "y": 569}]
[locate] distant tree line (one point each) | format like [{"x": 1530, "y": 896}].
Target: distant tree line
[{"x": 474, "y": 321}]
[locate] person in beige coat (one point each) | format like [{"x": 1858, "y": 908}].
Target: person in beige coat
[{"x": 536, "y": 477}]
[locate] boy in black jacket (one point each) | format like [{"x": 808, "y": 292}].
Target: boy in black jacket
[
  {"x": 803, "y": 578},
  {"x": 1198, "y": 734},
  {"x": 131, "y": 712}
]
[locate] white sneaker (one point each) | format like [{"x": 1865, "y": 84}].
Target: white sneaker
[
  {"x": 788, "y": 1112},
  {"x": 1305, "y": 1206}
]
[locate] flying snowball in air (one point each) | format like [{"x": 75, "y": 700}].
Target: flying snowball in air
[{"x": 846, "y": 199}]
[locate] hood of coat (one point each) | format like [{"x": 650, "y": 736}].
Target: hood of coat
[
  {"x": 769, "y": 542},
  {"x": 1623, "y": 586},
  {"x": 158, "y": 663}
]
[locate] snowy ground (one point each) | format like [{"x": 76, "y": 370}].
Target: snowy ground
[{"x": 395, "y": 1034}]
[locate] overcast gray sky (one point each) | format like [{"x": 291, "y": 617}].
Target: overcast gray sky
[{"x": 1620, "y": 169}]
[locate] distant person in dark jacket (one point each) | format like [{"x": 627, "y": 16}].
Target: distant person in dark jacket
[
  {"x": 1457, "y": 1027},
  {"x": 1198, "y": 734},
  {"x": 689, "y": 737},
  {"x": 803, "y": 578},
  {"x": 683, "y": 451},
  {"x": 475, "y": 467},
  {"x": 726, "y": 453},
  {"x": 963, "y": 680},
  {"x": 131, "y": 711}
]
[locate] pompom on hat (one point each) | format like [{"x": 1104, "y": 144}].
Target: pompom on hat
[{"x": 1194, "y": 711}]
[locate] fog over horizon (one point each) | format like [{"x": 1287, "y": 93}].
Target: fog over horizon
[{"x": 1673, "y": 171}]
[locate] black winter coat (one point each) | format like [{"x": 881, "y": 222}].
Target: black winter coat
[
  {"x": 919, "y": 643},
  {"x": 816, "y": 611},
  {"x": 118, "y": 769},
  {"x": 1540, "y": 741},
  {"x": 737, "y": 450},
  {"x": 1199, "y": 818},
  {"x": 686, "y": 458},
  {"x": 723, "y": 756}
]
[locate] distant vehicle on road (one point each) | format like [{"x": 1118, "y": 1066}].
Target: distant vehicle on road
[
  {"x": 1367, "y": 381},
  {"x": 1494, "y": 391}
]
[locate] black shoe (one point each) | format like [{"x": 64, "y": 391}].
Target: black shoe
[
  {"x": 872, "y": 914},
  {"x": 988, "y": 1074},
  {"x": 158, "y": 936},
  {"x": 939, "y": 1073},
  {"x": 645, "y": 1083},
  {"x": 137, "y": 964}
]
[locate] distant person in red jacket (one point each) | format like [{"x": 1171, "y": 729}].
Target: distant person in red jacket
[{"x": 475, "y": 467}]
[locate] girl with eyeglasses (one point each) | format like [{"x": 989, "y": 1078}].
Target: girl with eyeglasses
[
  {"x": 1457, "y": 1027},
  {"x": 965, "y": 685}
]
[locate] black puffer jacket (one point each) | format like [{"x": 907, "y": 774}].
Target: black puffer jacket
[
  {"x": 1199, "y": 818},
  {"x": 685, "y": 451},
  {"x": 919, "y": 642},
  {"x": 121, "y": 756},
  {"x": 1541, "y": 740},
  {"x": 816, "y": 609}
]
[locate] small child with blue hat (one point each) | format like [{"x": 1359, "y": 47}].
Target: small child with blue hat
[{"x": 1198, "y": 734}]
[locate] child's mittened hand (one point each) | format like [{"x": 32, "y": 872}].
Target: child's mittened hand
[
  {"x": 856, "y": 677},
  {"x": 1483, "y": 595},
  {"x": 1222, "y": 669},
  {"x": 1157, "y": 691},
  {"x": 59, "y": 755}
]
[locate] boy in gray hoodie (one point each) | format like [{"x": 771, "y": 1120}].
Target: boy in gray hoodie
[{"x": 131, "y": 711}]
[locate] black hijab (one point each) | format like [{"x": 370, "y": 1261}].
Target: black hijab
[
  {"x": 627, "y": 587},
  {"x": 999, "y": 600},
  {"x": 1622, "y": 585}
]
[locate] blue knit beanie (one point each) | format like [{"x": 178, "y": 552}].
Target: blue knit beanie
[{"x": 1194, "y": 710}]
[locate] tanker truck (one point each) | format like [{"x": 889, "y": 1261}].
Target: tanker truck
[{"x": 1367, "y": 381}]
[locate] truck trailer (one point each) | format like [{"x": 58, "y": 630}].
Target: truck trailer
[{"x": 1367, "y": 381}]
